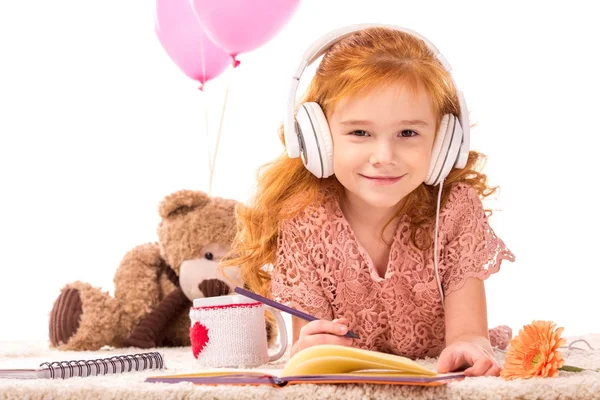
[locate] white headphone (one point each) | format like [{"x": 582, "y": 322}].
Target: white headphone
[{"x": 307, "y": 133}]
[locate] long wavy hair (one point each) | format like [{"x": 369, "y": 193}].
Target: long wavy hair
[{"x": 360, "y": 62}]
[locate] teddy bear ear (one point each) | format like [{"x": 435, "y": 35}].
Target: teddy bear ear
[{"x": 181, "y": 202}]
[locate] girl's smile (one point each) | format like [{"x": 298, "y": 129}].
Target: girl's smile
[{"x": 382, "y": 180}]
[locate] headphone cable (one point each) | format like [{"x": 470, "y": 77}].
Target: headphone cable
[{"x": 435, "y": 242}]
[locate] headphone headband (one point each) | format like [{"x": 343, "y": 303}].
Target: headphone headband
[{"x": 319, "y": 47}]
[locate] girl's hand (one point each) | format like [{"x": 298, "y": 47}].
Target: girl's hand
[
  {"x": 460, "y": 355},
  {"x": 323, "y": 332}
]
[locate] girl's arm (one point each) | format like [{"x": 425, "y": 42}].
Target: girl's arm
[
  {"x": 467, "y": 342},
  {"x": 466, "y": 315},
  {"x": 296, "y": 281},
  {"x": 471, "y": 253}
]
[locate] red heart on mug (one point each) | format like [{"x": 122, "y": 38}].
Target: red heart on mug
[{"x": 198, "y": 337}]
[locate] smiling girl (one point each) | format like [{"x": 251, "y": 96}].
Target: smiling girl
[{"x": 353, "y": 229}]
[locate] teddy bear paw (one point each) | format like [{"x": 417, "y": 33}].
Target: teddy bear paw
[{"x": 65, "y": 316}]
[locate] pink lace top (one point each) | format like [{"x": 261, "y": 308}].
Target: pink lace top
[{"x": 323, "y": 270}]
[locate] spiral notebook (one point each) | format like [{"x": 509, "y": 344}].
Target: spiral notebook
[{"x": 101, "y": 366}]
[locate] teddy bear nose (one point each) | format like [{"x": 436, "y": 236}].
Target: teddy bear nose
[{"x": 213, "y": 288}]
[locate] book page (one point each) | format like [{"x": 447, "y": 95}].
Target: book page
[
  {"x": 223, "y": 377},
  {"x": 226, "y": 372},
  {"x": 333, "y": 359},
  {"x": 387, "y": 379}
]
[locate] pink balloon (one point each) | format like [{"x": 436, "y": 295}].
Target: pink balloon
[
  {"x": 239, "y": 26},
  {"x": 186, "y": 43}
]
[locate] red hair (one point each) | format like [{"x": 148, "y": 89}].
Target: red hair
[{"x": 360, "y": 62}]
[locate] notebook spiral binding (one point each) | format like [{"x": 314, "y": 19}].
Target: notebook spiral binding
[{"x": 105, "y": 366}]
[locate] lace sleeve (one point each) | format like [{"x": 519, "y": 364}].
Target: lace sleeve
[
  {"x": 296, "y": 276},
  {"x": 472, "y": 248}
]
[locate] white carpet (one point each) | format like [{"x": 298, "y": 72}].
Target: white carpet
[{"x": 583, "y": 385}]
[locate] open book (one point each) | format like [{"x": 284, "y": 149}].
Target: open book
[{"x": 324, "y": 364}]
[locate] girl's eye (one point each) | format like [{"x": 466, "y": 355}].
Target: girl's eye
[
  {"x": 359, "y": 133},
  {"x": 408, "y": 133}
]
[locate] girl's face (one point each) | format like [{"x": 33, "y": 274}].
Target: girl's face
[{"x": 382, "y": 144}]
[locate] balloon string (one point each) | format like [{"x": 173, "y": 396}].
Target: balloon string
[
  {"x": 214, "y": 160},
  {"x": 206, "y": 130}
]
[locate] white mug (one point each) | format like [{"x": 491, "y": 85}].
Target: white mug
[{"x": 230, "y": 331}]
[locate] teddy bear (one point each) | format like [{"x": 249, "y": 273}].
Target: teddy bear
[{"x": 155, "y": 283}]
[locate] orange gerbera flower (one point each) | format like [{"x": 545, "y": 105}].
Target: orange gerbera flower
[{"x": 534, "y": 352}]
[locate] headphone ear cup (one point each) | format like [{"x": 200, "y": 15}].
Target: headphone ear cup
[
  {"x": 456, "y": 137},
  {"x": 316, "y": 142},
  {"x": 445, "y": 150},
  {"x": 435, "y": 164}
]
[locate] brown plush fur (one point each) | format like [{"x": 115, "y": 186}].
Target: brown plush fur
[
  {"x": 190, "y": 220},
  {"x": 213, "y": 220}
]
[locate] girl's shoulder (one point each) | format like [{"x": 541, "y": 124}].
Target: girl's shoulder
[
  {"x": 314, "y": 216},
  {"x": 462, "y": 198},
  {"x": 463, "y": 212}
]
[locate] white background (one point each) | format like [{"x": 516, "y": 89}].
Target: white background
[{"x": 97, "y": 125}]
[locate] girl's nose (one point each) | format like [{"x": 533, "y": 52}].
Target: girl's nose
[{"x": 382, "y": 154}]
